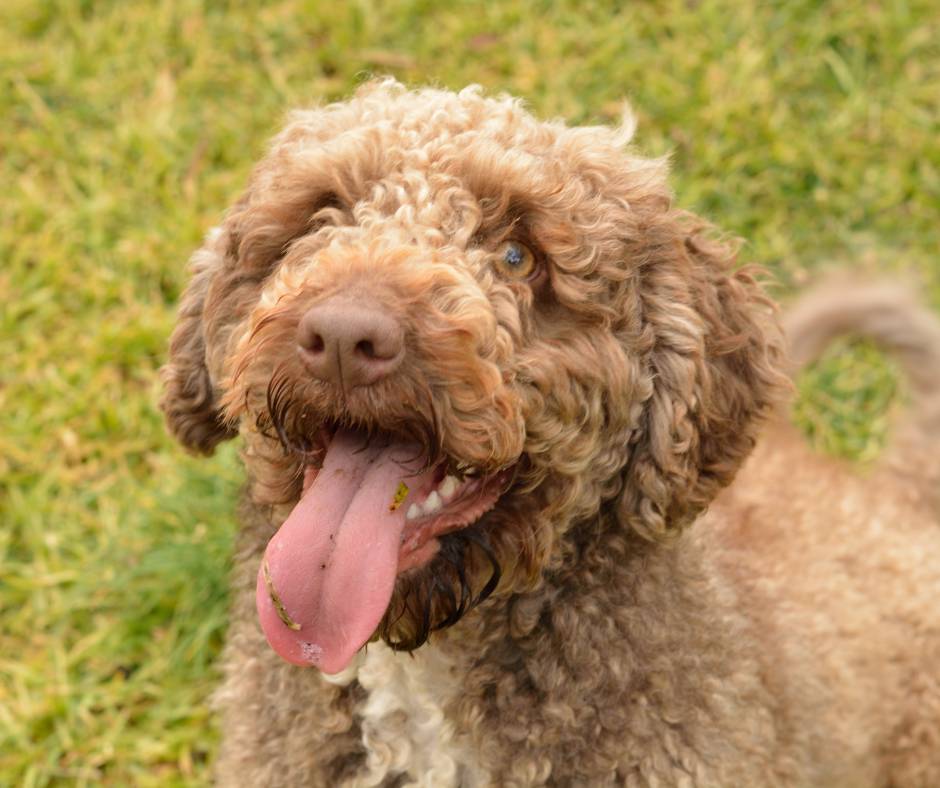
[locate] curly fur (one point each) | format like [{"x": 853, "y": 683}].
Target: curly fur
[{"x": 581, "y": 633}]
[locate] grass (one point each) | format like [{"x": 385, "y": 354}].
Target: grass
[{"x": 811, "y": 129}]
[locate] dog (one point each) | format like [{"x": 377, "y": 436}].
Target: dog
[{"x": 492, "y": 387}]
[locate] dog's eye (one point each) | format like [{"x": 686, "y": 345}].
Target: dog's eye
[{"x": 515, "y": 260}]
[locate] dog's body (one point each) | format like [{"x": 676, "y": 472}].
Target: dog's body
[{"x": 790, "y": 637}]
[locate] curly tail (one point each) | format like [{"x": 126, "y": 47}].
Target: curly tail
[{"x": 891, "y": 316}]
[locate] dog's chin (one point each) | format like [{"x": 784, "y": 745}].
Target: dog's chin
[
  {"x": 384, "y": 541},
  {"x": 461, "y": 570}
]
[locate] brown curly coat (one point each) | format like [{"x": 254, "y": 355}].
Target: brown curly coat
[{"x": 789, "y": 638}]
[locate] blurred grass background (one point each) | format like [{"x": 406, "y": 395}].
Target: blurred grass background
[{"x": 810, "y": 129}]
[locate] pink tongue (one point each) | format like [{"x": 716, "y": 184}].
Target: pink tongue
[{"x": 331, "y": 566}]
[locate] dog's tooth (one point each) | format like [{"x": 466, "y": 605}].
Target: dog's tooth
[
  {"x": 449, "y": 487},
  {"x": 414, "y": 512},
  {"x": 433, "y": 503}
]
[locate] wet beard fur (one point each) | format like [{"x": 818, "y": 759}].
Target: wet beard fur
[{"x": 464, "y": 572}]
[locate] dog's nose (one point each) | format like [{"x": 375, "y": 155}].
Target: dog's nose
[{"x": 349, "y": 343}]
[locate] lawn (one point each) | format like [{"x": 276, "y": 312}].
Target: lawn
[{"x": 809, "y": 129}]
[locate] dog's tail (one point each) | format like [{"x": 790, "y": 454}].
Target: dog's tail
[{"x": 893, "y": 318}]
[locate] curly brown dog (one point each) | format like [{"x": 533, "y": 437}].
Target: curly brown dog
[{"x": 487, "y": 379}]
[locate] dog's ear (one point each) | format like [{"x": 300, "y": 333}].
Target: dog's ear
[
  {"x": 189, "y": 400},
  {"x": 710, "y": 353}
]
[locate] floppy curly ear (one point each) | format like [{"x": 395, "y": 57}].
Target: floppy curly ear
[
  {"x": 189, "y": 401},
  {"x": 711, "y": 359}
]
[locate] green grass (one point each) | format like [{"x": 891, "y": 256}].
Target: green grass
[{"x": 811, "y": 129}]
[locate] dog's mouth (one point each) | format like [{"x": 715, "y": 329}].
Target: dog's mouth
[{"x": 373, "y": 510}]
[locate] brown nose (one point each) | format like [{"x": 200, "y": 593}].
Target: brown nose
[{"x": 349, "y": 343}]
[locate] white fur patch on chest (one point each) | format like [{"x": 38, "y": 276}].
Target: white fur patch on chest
[{"x": 403, "y": 724}]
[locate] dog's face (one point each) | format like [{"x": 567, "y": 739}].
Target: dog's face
[{"x": 450, "y": 334}]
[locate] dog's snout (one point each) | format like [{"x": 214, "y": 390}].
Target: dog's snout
[{"x": 350, "y": 343}]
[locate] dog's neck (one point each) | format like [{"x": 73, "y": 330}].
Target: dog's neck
[{"x": 599, "y": 644}]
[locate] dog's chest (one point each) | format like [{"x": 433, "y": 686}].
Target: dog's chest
[{"x": 404, "y": 726}]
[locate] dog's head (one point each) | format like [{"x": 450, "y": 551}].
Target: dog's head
[{"x": 452, "y": 334}]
